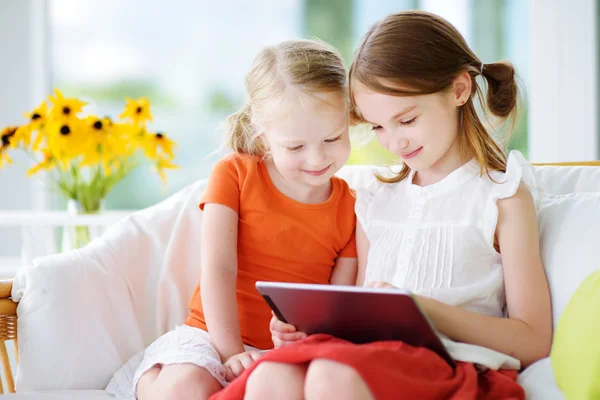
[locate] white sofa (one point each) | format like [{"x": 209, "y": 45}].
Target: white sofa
[{"x": 83, "y": 314}]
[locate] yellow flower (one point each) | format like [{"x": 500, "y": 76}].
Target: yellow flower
[
  {"x": 38, "y": 116},
  {"x": 99, "y": 130},
  {"x": 129, "y": 138},
  {"x": 66, "y": 140},
  {"x": 138, "y": 111},
  {"x": 37, "y": 119},
  {"x": 6, "y": 136},
  {"x": 41, "y": 135},
  {"x": 47, "y": 163},
  {"x": 103, "y": 143},
  {"x": 160, "y": 166},
  {"x": 153, "y": 143},
  {"x": 22, "y": 135},
  {"x": 65, "y": 109}
]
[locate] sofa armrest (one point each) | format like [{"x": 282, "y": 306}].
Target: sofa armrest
[
  {"x": 8, "y": 331},
  {"x": 8, "y": 307},
  {"x": 5, "y": 288}
]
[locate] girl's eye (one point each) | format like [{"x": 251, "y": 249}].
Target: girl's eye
[
  {"x": 296, "y": 148},
  {"x": 408, "y": 122},
  {"x": 333, "y": 140},
  {"x": 377, "y": 128}
]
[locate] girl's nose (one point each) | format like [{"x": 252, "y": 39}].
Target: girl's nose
[
  {"x": 399, "y": 145},
  {"x": 316, "y": 158}
]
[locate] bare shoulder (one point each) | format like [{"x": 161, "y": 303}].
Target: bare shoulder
[{"x": 517, "y": 221}]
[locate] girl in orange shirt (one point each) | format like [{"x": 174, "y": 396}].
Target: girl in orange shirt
[{"x": 272, "y": 211}]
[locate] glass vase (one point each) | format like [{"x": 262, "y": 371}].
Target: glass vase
[{"x": 76, "y": 237}]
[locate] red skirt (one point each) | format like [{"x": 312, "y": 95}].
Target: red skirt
[{"x": 392, "y": 370}]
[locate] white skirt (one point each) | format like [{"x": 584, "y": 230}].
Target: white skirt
[{"x": 183, "y": 345}]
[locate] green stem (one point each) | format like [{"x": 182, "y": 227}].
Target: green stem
[{"x": 82, "y": 236}]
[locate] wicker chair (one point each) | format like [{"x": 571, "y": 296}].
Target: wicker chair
[{"x": 8, "y": 331}]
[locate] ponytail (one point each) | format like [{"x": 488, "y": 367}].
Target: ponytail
[
  {"x": 502, "y": 90},
  {"x": 241, "y": 134}
]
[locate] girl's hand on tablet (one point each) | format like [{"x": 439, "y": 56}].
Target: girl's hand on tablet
[{"x": 284, "y": 334}]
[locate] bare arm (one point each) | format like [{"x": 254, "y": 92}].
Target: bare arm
[
  {"x": 362, "y": 249},
  {"x": 218, "y": 278},
  {"x": 344, "y": 271},
  {"x": 527, "y": 333}
]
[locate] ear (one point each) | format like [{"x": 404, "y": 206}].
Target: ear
[
  {"x": 264, "y": 141},
  {"x": 461, "y": 89}
]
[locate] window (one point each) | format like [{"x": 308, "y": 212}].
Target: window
[{"x": 190, "y": 58}]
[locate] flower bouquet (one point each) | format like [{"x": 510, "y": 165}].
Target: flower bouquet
[{"x": 85, "y": 156}]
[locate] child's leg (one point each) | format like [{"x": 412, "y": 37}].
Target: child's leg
[
  {"x": 177, "y": 381},
  {"x": 327, "y": 379},
  {"x": 271, "y": 380},
  {"x": 182, "y": 364}
]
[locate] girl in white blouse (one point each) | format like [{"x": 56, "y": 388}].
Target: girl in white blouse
[{"x": 456, "y": 226}]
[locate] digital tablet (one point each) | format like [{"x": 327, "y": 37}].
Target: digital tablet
[{"x": 356, "y": 314}]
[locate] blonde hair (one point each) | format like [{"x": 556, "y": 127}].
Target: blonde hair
[
  {"x": 304, "y": 67},
  {"x": 416, "y": 53}
]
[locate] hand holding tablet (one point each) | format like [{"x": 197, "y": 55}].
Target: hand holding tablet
[{"x": 356, "y": 314}]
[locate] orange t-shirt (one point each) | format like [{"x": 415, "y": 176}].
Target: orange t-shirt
[{"x": 279, "y": 239}]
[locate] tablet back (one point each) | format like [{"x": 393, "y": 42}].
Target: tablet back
[{"x": 356, "y": 314}]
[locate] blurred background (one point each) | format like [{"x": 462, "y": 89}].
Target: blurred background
[{"x": 189, "y": 57}]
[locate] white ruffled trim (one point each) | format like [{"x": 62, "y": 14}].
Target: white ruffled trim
[
  {"x": 528, "y": 176},
  {"x": 121, "y": 384},
  {"x": 364, "y": 199},
  {"x": 183, "y": 345}
]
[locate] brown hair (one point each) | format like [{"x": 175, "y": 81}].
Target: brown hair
[
  {"x": 298, "y": 67},
  {"x": 416, "y": 53}
]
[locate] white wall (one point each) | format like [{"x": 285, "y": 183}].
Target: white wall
[
  {"x": 23, "y": 84},
  {"x": 457, "y": 12},
  {"x": 563, "y": 123}
]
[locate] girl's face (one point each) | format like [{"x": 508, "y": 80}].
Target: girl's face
[
  {"x": 311, "y": 143},
  {"x": 421, "y": 130}
]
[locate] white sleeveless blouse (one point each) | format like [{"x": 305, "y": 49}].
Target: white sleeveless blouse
[{"x": 438, "y": 241}]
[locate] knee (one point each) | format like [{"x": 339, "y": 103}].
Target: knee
[
  {"x": 264, "y": 382},
  {"x": 328, "y": 379}
]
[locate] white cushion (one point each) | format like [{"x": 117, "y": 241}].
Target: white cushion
[
  {"x": 564, "y": 180},
  {"x": 61, "y": 395},
  {"x": 538, "y": 381},
  {"x": 569, "y": 231},
  {"x": 84, "y": 313}
]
